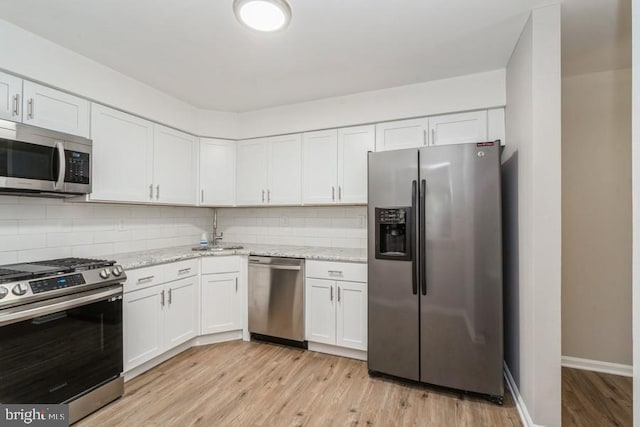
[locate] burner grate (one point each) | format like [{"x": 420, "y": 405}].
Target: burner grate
[
  {"x": 8, "y": 272},
  {"x": 87, "y": 263}
]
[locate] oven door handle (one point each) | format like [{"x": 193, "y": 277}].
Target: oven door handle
[{"x": 30, "y": 311}]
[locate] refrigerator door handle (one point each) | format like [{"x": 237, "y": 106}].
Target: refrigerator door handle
[
  {"x": 423, "y": 236},
  {"x": 414, "y": 218}
]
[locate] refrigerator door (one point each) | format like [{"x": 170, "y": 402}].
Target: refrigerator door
[
  {"x": 461, "y": 268},
  {"x": 393, "y": 341}
]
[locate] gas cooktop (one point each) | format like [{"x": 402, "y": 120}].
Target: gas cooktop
[{"x": 33, "y": 281}]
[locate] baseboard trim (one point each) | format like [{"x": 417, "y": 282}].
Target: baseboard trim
[
  {"x": 597, "y": 366},
  {"x": 519, "y": 401},
  {"x": 337, "y": 351}
]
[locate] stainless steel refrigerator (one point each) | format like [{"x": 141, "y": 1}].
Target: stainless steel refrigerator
[{"x": 435, "y": 266}]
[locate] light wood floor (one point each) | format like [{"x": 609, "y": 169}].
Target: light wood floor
[
  {"x": 253, "y": 384},
  {"x": 595, "y": 399}
]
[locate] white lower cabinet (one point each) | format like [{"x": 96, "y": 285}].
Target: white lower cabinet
[
  {"x": 159, "y": 317},
  {"x": 336, "y": 310},
  {"x": 220, "y": 303},
  {"x": 221, "y": 294}
]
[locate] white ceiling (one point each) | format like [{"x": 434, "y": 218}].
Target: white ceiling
[{"x": 196, "y": 51}]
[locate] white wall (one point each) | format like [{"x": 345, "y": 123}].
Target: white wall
[
  {"x": 38, "y": 59},
  {"x": 34, "y": 228},
  {"x": 635, "y": 147},
  {"x": 596, "y": 216},
  {"x": 475, "y": 91},
  {"x": 338, "y": 227},
  {"x": 532, "y": 216}
]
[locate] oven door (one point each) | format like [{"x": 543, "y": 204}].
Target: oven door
[{"x": 55, "y": 350}]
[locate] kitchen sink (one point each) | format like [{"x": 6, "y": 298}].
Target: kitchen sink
[{"x": 216, "y": 248}]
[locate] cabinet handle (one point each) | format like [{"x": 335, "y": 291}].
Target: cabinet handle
[
  {"x": 202, "y": 196},
  {"x": 262, "y": 196},
  {"x": 333, "y": 193},
  {"x": 424, "y": 137},
  {"x": 184, "y": 270},
  {"x": 338, "y": 293},
  {"x": 151, "y": 191},
  {"x": 236, "y": 285},
  {"x": 339, "y": 192},
  {"x": 30, "y": 108},
  {"x": 169, "y": 296},
  {"x": 157, "y": 192},
  {"x": 145, "y": 279},
  {"x": 331, "y": 293},
  {"x": 16, "y": 104},
  {"x": 335, "y": 272},
  {"x": 162, "y": 298},
  {"x": 433, "y": 136},
  {"x": 268, "y": 196}
]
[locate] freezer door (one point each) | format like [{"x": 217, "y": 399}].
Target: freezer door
[
  {"x": 393, "y": 341},
  {"x": 461, "y": 268}
]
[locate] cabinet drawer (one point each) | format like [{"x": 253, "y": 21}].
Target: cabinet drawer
[
  {"x": 347, "y": 271},
  {"x": 181, "y": 269},
  {"x": 221, "y": 264},
  {"x": 141, "y": 278}
]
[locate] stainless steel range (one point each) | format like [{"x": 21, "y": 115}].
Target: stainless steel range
[{"x": 61, "y": 333}]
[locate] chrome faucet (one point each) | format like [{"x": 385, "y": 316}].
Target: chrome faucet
[{"x": 215, "y": 237}]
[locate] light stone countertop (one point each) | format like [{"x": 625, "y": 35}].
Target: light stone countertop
[{"x": 131, "y": 260}]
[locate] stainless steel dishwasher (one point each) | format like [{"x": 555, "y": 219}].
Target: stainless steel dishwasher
[{"x": 276, "y": 299}]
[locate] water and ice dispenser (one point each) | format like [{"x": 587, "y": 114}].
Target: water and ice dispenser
[{"x": 393, "y": 233}]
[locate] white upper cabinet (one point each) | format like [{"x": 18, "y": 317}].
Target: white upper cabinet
[
  {"x": 496, "y": 125},
  {"x": 320, "y": 167},
  {"x": 268, "y": 171},
  {"x": 400, "y": 134},
  {"x": 123, "y": 156},
  {"x": 174, "y": 166},
  {"x": 10, "y": 97},
  {"x": 353, "y": 145},
  {"x": 284, "y": 170},
  {"x": 458, "y": 128},
  {"x": 251, "y": 170},
  {"x": 217, "y": 172},
  {"x": 52, "y": 109}
]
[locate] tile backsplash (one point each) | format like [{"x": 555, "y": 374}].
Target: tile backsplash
[
  {"x": 339, "y": 227},
  {"x": 39, "y": 228}
]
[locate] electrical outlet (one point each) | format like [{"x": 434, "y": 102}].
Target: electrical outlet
[
  {"x": 284, "y": 221},
  {"x": 121, "y": 225},
  {"x": 362, "y": 221}
]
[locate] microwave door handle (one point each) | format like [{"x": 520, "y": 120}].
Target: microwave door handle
[{"x": 61, "y": 166}]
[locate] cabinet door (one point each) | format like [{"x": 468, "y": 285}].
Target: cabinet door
[
  {"x": 352, "y": 315},
  {"x": 320, "y": 167},
  {"x": 285, "y": 164},
  {"x": 52, "y": 109},
  {"x": 142, "y": 318},
  {"x": 400, "y": 134},
  {"x": 10, "y": 93},
  {"x": 458, "y": 128},
  {"x": 123, "y": 145},
  {"x": 217, "y": 172},
  {"x": 220, "y": 303},
  {"x": 174, "y": 166},
  {"x": 320, "y": 311},
  {"x": 180, "y": 311},
  {"x": 353, "y": 145},
  {"x": 251, "y": 172}
]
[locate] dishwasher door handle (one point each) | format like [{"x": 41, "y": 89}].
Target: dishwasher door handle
[{"x": 276, "y": 267}]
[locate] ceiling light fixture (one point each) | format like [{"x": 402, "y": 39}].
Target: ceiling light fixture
[{"x": 263, "y": 15}]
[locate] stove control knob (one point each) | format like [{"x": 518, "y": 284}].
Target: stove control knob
[
  {"x": 105, "y": 273},
  {"x": 117, "y": 271},
  {"x": 3, "y": 292},
  {"x": 20, "y": 289}
]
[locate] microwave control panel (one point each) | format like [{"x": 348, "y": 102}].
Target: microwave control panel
[{"x": 77, "y": 167}]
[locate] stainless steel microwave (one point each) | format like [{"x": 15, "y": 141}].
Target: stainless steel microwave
[{"x": 41, "y": 162}]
